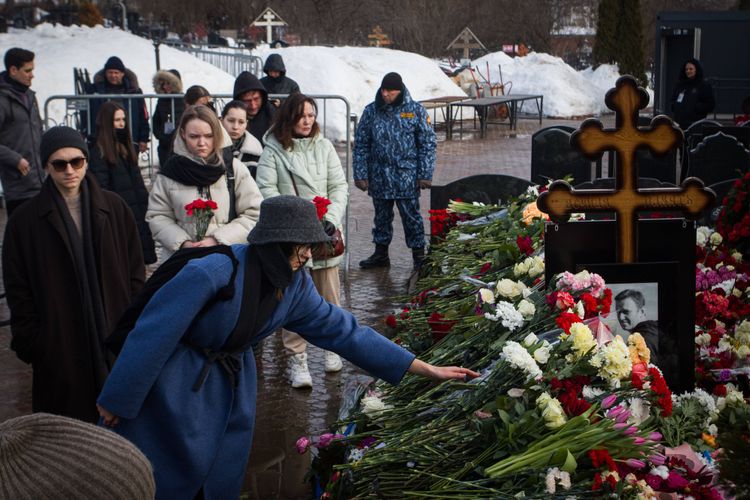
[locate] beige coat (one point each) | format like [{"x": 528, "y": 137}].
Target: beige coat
[
  {"x": 170, "y": 224},
  {"x": 317, "y": 171}
]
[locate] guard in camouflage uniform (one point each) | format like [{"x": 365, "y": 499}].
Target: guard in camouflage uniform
[{"x": 394, "y": 157}]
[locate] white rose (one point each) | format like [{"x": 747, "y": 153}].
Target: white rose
[
  {"x": 703, "y": 339},
  {"x": 520, "y": 269},
  {"x": 536, "y": 268},
  {"x": 701, "y": 235},
  {"x": 541, "y": 355},
  {"x": 579, "y": 309},
  {"x": 372, "y": 405},
  {"x": 527, "y": 309},
  {"x": 716, "y": 239},
  {"x": 531, "y": 338},
  {"x": 508, "y": 288},
  {"x": 487, "y": 296},
  {"x": 515, "y": 393}
]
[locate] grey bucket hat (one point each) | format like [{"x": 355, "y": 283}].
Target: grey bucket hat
[{"x": 287, "y": 219}]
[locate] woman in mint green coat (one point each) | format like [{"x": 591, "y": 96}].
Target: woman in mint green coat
[{"x": 299, "y": 161}]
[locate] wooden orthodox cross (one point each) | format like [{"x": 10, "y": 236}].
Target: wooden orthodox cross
[
  {"x": 378, "y": 39},
  {"x": 466, "y": 40},
  {"x": 269, "y": 20},
  {"x": 626, "y": 200}
]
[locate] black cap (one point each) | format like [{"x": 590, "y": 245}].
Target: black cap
[
  {"x": 114, "y": 62},
  {"x": 392, "y": 81},
  {"x": 61, "y": 137}
]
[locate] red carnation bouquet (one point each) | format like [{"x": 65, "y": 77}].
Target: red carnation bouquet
[
  {"x": 203, "y": 211},
  {"x": 336, "y": 246}
]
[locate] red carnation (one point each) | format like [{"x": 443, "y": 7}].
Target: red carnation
[
  {"x": 321, "y": 206},
  {"x": 524, "y": 244},
  {"x": 565, "y": 321}
]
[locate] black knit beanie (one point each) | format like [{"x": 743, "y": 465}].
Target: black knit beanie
[
  {"x": 49, "y": 456},
  {"x": 114, "y": 62},
  {"x": 392, "y": 81},
  {"x": 58, "y": 138}
]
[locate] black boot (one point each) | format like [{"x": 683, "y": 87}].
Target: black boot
[
  {"x": 418, "y": 255},
  {"x": 378, "y": 259}
]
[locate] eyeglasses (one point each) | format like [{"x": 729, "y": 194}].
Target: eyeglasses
[{"x": 62, "y": 165}]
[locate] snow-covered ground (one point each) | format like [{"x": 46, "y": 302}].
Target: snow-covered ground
[{"x": 352, "y": 72}]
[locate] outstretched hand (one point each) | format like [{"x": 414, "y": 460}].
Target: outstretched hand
[
  {"x": 109, "y": 419},
  {"x": 419, "y": 367}
]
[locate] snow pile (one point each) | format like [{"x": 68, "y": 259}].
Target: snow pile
[
  {"x": 356, "y": 73},
  {"x": 567, "y": 92},
  {"x": 59, "y": 49}
]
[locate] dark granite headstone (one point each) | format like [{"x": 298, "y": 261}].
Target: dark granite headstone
[
  {"x": 717, "y": 158},
  {"x": 552, "y": 157},
  {"x": 488, "y": 188}
]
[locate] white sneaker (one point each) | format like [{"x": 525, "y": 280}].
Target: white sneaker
[
  {"x": 300, "y": 374},
  {"x": 333, "y": 362}
]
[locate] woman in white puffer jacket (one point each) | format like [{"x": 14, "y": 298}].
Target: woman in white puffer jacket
[
  {"x": 197, "y": 171},
  {"x": 297, "y": 160}
]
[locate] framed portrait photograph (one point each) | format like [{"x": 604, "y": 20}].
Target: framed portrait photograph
[{"x": 650, "y": 298}]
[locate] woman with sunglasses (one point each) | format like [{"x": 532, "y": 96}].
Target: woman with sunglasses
[
  {"x": 114, "y": 163},
  {"x": 197, "y": 171},
  {"x": 299, "y": 161},
  {"x": 72, "y": 262},
  {"x": 187, "y": 399}
]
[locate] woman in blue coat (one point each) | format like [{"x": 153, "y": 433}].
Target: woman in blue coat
[{"x": 189, "y": 404}]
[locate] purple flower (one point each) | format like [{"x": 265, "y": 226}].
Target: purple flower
[
  {"x": 630, "y": 430},
  {"x": 725, "y": 375},
  {"x": 303, "y": 444},
  {"x": 655, "y": 436},
  {"x": 635, "y": 464},
  {"x": 639, "y": 440},
  {"x": 367, "y": 442},
  {"x": 621, "y": 425},
  {"x": 657, "y": 459},
  {"x": 609, "y": 401},
  {"x": 654, "y": 481}
]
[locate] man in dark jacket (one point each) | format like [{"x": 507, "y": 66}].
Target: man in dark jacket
[
  {"x": 20, "y": 130},
  {"x": 276, "y": 81},
  {"x": 248, "y": 89},
  {"x": 115, "y": 78},
  {"x": 693, "y": 97},
  {"x": 72, "y": 262},
  {"x": 394, "y": 157},
  {"x": 168, "y": 111}
]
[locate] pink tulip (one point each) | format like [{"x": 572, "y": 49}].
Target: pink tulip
[
  {"x": 609, "y": 401},
  {"x": 630, "y": 431},
  {"x": 635, "y": 464},
  {"x": 615, "y": 411},
  {"x": 655, "y": 436},
  {"x": 657, "y": 459},
  {"x": 621, "y": 425},
  {"x": 327, "y": 438},
  {"x": 639, "y": 440},
  {"x": 303, "y": 444},
  {"x": 623, "y": 417}
]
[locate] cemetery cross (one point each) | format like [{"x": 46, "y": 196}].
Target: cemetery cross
[{"x": 626, "y": 200}]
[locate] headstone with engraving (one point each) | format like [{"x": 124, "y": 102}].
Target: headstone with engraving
[{"x": 634, "y": 254}]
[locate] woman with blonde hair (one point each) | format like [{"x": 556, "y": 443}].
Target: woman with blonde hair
[
  {"x": 299, "y": 161},
  {"x": 197, "y": 171}
]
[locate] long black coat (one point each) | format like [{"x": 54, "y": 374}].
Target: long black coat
[
  {"x": 47, "y": 317},
  {"x": 692, "y": 98},
  {"x": 125, "y": 180}
]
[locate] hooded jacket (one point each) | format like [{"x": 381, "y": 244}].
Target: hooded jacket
[
  {"x": 394, "y": 147},
  {"x": 20, "y": 136},
  {"x": 692, "y": 98},
  {"x": 280, "y": 84},
  {"x": 134, "y": 107},
  {"x": 261, "y": 122},
  {"x": 167, "y": 113}
]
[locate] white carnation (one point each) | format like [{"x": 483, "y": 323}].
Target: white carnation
[{"x": 518, "y": 356}]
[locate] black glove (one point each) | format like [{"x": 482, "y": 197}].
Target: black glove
[{"x": 329, "y": 228}]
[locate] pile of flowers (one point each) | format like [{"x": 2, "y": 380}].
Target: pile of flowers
[{"x": 562, "y": 407}]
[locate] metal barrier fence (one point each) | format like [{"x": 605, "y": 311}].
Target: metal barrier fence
[
  {"x": 233, "y": 61},
  {"x": 75, "y": 112}
]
